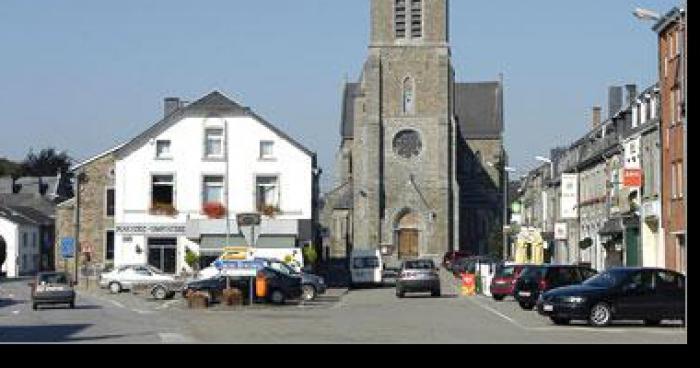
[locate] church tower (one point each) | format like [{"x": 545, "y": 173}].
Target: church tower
[{"x": 403, "y": 134}]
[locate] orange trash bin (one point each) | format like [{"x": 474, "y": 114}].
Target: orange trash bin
[{"x": 260, "y": 286}]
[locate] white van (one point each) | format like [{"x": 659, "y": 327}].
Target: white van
[{"x": 366, "y": 267}]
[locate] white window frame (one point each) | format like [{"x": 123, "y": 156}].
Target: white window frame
[
  {"x": 278, "y": 200},
  {"x": 174, "y": 184},
  {"x": 205, "y": 185},
  {"x": 221, "y": 139},
  {"x": 169, "y": 155},
  {"x": 268, "y": 143}
]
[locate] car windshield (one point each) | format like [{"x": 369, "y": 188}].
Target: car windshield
[
  {"x": 366, "y": 262},
  {"x": 57, "y": 278},
  {"x": 533, "y": 272},
  {"x": 607, "y": 279},
  {"x": 155, "y": 270},
  {"x": 507, "y": 271},
  {"x": 420, "y": 265},
  {"x": 282, "y": 268}
]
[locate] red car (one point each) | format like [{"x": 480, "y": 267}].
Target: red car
[
  {"x": 452, "y": 257},
  {"x": 503, "y": 284}
]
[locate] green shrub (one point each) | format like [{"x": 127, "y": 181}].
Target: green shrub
[
  {"x": 191, "y": 258},
  {"x": 310, "y": 254}
]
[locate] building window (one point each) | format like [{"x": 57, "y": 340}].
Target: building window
[
  {"x": 163, "y": 193},
  {"x": 267, "y": 193},
  {"x": 214, "y": 144},
  {"x": 674, "y": 184},
  {"x": 163, "y": 149},
  {"x": 679, "y": 180},
  {"x": 25, "y": 240},
  {"x": 267, "y": 150},
  {"x": 408, "y": 96},
  {"x": 109, "y": 202},
  {"x": 416, "y": 18},
  {"x": 34, "y": 243},
  {"x": 400, "y": 18},
  {"x": 213, "y": 191},
  {"x": 109, "y": 245}
]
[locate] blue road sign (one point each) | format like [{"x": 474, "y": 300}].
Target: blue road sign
[{"x": 68, "y": 247}]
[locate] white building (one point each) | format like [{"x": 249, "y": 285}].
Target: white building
[
  {"x": 211, "y": 153},
  {"x": 23, "y": 234}
]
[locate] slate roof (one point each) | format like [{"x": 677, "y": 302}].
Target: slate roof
[
  {"x": 34, "y": 201},
  {"x": 215, "y": 103},
  {"x": 478, "y": 107},
  {"x": 24, "y": 215},
  {"x": 347, "y": 122}
]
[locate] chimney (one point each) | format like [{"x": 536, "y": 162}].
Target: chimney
[
  {"x": 597, "y": 116},
  {"x": 631, "y": 93},
  {"x": 172, "y": 104},
  {"x": 614, "y": 100}
]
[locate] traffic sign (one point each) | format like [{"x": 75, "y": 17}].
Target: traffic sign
[{"x": 68, "y": 247}]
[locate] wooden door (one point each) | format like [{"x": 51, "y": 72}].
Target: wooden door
[{"x": 408, "y": 244}]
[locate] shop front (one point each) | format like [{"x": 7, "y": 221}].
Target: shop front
[{"x": 612, "y": 237}]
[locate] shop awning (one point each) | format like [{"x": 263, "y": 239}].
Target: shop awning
[
  {"x": 216, "y": 243},
  {"x": 612, "y": 227},
  {"x": 276, "y": 241}
]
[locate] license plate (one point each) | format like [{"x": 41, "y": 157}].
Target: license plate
[
  {"x": 525, "y": 293},
  {"x": 53, "y": 288},
  {"x": 548, "y": 308}
]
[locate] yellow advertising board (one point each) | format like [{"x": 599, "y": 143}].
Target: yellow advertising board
[{"x": 235, "y": 254}]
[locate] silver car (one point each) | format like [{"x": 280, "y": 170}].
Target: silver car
[{"x": 418, "y": 276}]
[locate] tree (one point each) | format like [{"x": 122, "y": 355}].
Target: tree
[
  {"x": 10, "y": 168},
  {"x": 48, "y": 162}
]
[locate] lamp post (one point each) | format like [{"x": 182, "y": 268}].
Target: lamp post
[{"x": 506, "y": 181}]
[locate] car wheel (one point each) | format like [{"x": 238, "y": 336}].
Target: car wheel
[
  {"x": 436, "y": 293},
  {"x": 308, "y": 293},
  {"x": 600, "y": 316},
  {"x": 400, "y": 293},
  {"x": 115, "y": 288},
  {"x": 560, "y": 321},
  {"x": 652, "y": 322},
  {"x": 35, "y": 306},
  {"x": 277, "y": 297},
  {"x": 159, "y": 293},
  {"x": 498, "y": 298},
  {"x": 526, "y": 305},
  {"x": 72, "y": 304}
]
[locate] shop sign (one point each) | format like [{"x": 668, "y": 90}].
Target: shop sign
[
  {"x": 68, "y": 247},
  {"x": 633, "y": 178},
  {"x": 151, "y": 229},
  {"x": 569, "y": 196}
]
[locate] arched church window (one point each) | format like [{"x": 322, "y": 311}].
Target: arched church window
[{"x": 408, "y": 96}]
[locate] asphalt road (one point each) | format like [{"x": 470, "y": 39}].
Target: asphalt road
[{"x": 361, "y": 316}]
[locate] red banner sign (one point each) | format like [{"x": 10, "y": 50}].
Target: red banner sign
[{"x": 633, "y": 178}]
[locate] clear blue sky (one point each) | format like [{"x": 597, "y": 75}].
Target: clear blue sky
[{"x": 84, "y": 75}]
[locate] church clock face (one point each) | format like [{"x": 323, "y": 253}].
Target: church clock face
[{"x": 408, "y": 144}]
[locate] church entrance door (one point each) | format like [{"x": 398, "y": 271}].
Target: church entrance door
[{"x": 408, "y": 243}]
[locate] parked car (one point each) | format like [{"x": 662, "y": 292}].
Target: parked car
[
  {"x": 453, "y": 256},
  {"x": 418, "y": 276},
  {"x": 503, "y": 284},
  {"x": 281, "y": 284},
  {"x": 52, "y": 288},
  {"x": 311, "y": 285},
  {"x": 536, "y": 280},
  {"x": 647, "y": 294},
  {"x": 366, "y": 268},
  {"x": 160, "y": 285}
]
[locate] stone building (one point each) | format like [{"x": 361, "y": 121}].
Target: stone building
[{"x": 415, "y": 145}]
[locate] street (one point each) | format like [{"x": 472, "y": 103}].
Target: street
[{"x": 358, "y": 316}]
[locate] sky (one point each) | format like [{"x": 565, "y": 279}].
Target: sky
[{"x": 85, "y": 75}]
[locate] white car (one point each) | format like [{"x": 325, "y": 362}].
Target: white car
[{"x": 127, "y": 277}]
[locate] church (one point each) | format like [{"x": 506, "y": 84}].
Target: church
[{"x": 420, "y": 167}]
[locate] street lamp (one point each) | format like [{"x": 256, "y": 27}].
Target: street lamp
[
  {"x": 506, "y": 184},
  {"x": 646, "y": 14}
]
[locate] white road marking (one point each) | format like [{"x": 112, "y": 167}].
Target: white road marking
[
  {"x": 167, "y": 304},
  {"x": 173, "y": 338},
  {"x": 511, "y": 320},
  {"x": 15, "y": 312},
  {"x": 120, "y": 305},
  {"x": 142, "y": 311}
]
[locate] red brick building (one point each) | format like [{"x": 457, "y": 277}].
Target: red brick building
[{"x": 673, "y": 77}]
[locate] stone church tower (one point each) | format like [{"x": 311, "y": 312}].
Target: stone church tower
[{"x": 397, "y": 187}]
